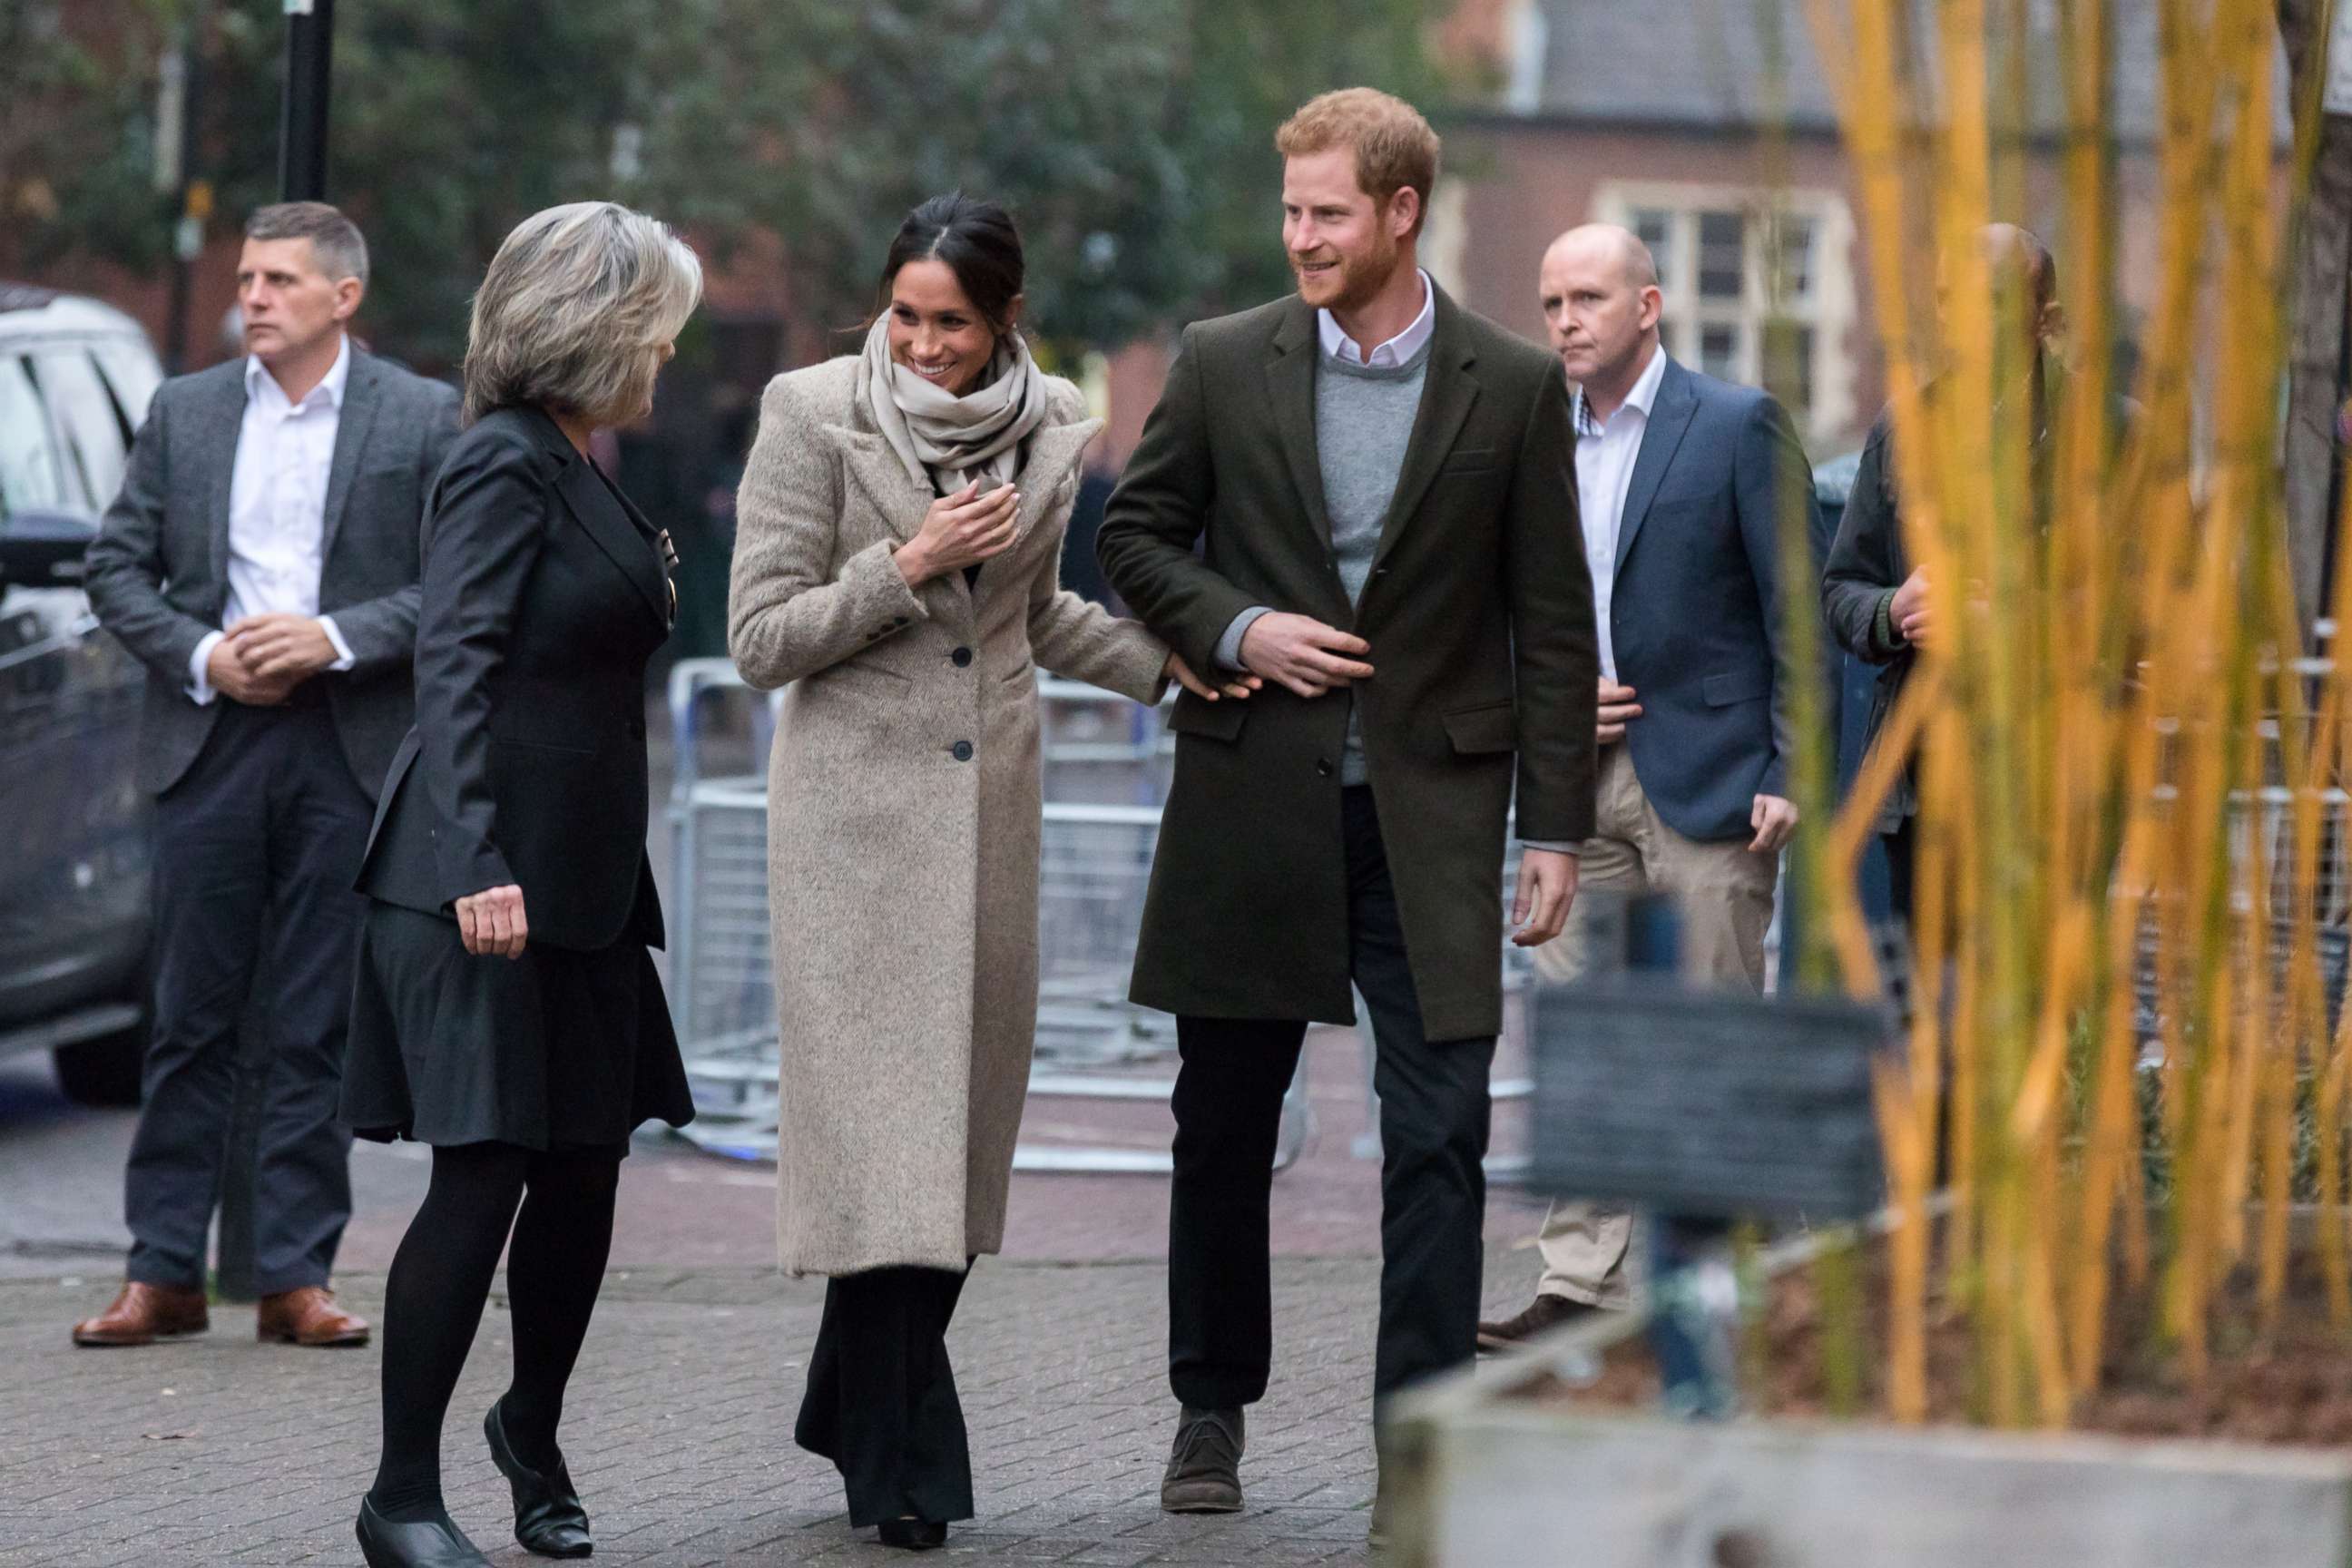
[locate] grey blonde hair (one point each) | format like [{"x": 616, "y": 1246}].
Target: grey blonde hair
[
  {"x": 574, "y": 311},
  {"x": 335, "y": 242}
]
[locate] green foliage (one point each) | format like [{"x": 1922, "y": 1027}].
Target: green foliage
[
  {"x": 1130, "y": 138},
  {"x": 77, "y": 134},
  {"x": 452, "y": 120}
]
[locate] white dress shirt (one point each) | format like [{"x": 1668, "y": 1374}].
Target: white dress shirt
[
  {"x": 278, "y": 507},
  {"x": 1392, "y": 353},
  {"x": 1606, "y": 451}
]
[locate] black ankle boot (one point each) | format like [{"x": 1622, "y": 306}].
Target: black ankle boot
[
  {"x": 435, "y": 1543},
  {"x": 914, "y": 1534},
  {"x": 549, "y": 1519}
]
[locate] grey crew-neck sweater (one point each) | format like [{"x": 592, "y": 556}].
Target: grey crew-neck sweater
[{"x": 1363, "y": 423}]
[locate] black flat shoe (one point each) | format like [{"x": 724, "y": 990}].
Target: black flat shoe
[
  {"x": 435, "y": 1543},
  {"x": 549, "y": 1519},
  {"x": 913, "y": 1534}
]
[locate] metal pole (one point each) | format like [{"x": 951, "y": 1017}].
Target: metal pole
[
  {"x": 179, "y": 119},
  {"x": 302, "y": 125},
  {"x": 1691, "y": 1320}
]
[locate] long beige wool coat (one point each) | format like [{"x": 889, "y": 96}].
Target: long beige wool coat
[{"x": 903, "y": 821}]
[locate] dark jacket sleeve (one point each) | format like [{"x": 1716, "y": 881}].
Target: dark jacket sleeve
[
  {"x": 1866, "y": 563},
  {"x": 488, "y": 523},
  {"x": 1555, "y": 650},
  {"x": 382, "y": 631},
  {"x": 1155, "y": 518},
  {"x": 123, "y": 569},
  {"x": 1768, "y": 473}
]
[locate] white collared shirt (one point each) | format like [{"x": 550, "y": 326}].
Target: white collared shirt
[
  {"x": 1606, "y": 451},
  {"x": 1392, "y": 353},
  {"x": 277, "y": 507}
]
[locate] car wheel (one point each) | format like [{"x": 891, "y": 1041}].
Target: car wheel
[{"x": 104, "y": 1072}]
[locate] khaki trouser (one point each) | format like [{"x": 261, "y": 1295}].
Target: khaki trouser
[{"x": 1726, "y": 898}]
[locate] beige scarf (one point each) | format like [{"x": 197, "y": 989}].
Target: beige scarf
[{"x": 947, "y": 441}]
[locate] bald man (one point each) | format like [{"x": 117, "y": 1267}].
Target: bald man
[{"x": 1682, "y": 484}]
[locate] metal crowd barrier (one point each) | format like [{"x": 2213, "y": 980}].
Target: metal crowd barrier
[
  {"x": 1105, "y": 763},
  {"x": 2262, "y": 822}
]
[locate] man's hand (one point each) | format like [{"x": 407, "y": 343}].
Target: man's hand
[
  {"x": 1774, "y": 820},
  {"x": 1176, "y": 670},
  {"x": 1909, "y": 610},
  {"x": 491, "y": 922},
  {"x": 1303, "y": 654},
  {"x": 1617, "y": 708},
  {"x": 294, "y": 647},
  {"x": 229, "y": 673},
  {"x": 1546, "y": 887}
]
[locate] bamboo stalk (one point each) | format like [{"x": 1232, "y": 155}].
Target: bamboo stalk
[{"x": 2113, "y": 623}]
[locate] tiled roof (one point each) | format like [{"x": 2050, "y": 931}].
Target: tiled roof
[{"x": 1709, "y": 63}]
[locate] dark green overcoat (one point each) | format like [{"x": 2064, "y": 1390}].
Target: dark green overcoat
[{"x": 1479, "y": 613}]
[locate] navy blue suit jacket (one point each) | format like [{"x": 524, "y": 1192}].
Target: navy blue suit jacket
[{"x": 1698, "y": 618}]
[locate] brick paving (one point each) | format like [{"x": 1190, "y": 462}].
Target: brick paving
[{"x": 219, "y": 1449}]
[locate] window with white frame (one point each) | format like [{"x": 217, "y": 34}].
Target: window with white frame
[{"x": 1733, "y": 262}]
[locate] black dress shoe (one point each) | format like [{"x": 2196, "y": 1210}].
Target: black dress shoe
[
  {"x": 549, "y": 1519},
  {"x": 435, "y": 1543},
  {"x": 1205, "y": 1467},
  {"x": 914, "y": 1534}
]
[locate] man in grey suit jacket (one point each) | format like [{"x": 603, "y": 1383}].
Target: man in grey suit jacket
[
  {"x": 261, "y": 561},
  {"x": 1683, "y": 484}
]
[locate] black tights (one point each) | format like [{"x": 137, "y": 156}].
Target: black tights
[{"x": 440, "y": 1280}]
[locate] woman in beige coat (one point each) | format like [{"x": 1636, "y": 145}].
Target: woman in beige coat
[{"x": 899, "y": 537}]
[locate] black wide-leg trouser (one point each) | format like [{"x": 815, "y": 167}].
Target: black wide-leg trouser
[{"x": 881, "y": 1399}]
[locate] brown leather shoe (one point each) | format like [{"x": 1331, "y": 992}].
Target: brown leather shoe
[
  {"x": 143, "y": 1314},
  {"x": 308, "y": 1316},
  {"x": 1546, "y": 1313}
]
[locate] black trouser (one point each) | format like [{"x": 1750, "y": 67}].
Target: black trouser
[
  {"x": 1433, "y": 1126},
  {"x": 1902, "y": 860},
  {"x": 256, "y": 850},
  {"x": 881, "y": 1398}
]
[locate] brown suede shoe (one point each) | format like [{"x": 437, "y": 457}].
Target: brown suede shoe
[
  {"x": 308, "y": 1316},
  {"x": 143, "y": 1314},
  {"x": 1546, "y": 1313}
]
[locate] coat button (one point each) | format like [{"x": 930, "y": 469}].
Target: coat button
[
  {"x": 961, "y": 751},
  {"x": 961, "y": 656},
  {"x": 636, "y": 728},
  {"x": 1323, "y": 767}
]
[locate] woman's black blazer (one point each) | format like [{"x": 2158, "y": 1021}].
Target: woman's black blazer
[{"x": 545, "y": 595}]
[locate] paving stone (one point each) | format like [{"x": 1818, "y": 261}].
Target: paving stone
[{"x": 223, "y": 1449}]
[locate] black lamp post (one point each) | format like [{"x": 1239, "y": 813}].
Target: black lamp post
[{"x": 302, "y": 125}]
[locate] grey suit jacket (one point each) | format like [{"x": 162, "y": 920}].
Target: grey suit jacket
[{"x": 158, "y": 571}]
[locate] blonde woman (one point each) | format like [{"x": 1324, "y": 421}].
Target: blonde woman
[
  {"x": 506, "y": 1011},
  {"x": 898, "y": 536}
]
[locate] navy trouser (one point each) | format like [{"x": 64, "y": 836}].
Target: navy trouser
[
  {"x": 256, "y": 850},
  {"x": 1434, "y": 1117}
]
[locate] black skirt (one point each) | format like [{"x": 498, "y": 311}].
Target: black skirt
[{"x": 554, "y": 1049}]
